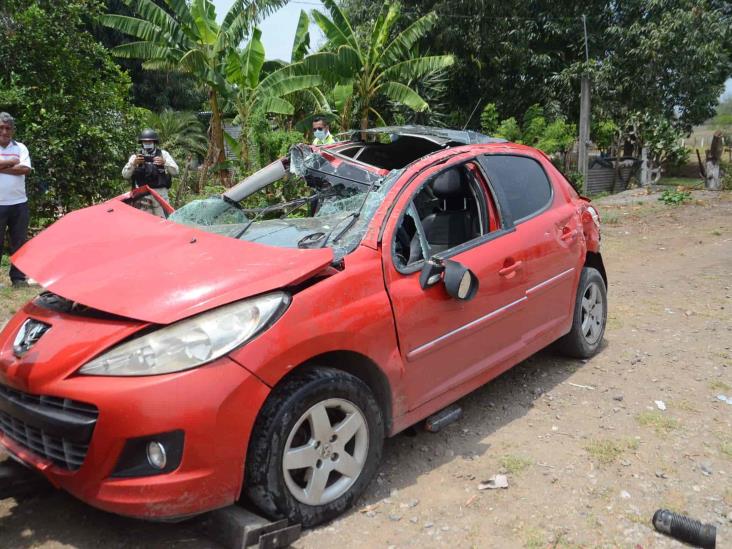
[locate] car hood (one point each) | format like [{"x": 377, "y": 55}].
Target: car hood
[{"x": 120, "y": 260}]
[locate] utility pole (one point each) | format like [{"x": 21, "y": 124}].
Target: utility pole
[{"x": 585, "y": 110}]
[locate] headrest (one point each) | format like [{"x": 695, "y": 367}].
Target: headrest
[{"x": 449, "y": 184}]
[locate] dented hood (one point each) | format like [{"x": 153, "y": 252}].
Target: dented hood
[{"x": 117, "y": 259}]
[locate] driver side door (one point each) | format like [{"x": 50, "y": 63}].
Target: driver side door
[{"x": 446, "y": 342}]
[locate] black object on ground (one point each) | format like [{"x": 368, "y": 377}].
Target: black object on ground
[
  {"x": 237, "y": 528},
  {"x": 685, "y": 529},
  {"x": 443, "y": 418},
  {"x": 18, "y": 481}
]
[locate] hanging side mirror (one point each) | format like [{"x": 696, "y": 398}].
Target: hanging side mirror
[
  {"x": 460, "y": 282},
  {"x": 431, "y": 273}
]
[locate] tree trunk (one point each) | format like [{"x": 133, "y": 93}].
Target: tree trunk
[
  {"x": 215, "y": 153},
  {"x": 713, "y": 181}
]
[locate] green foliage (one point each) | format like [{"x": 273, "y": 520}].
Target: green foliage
[
  {"x": 181, "y": 133},
  {"x": 379, "y": 68},
  {"x": 509, "y": 129},
  {"x": 70, "y": 101},
  {"x": 186, "y": 36},
  {"x": 557, "y": 137},
  {"x": 665, "y": 57},
  {"x": 489, "y": 119},
  {"x": 674, "y": 197},
  {"x": 604, "y": 133},
  {"x": 661, "y": 136}
]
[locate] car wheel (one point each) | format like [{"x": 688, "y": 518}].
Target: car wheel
[
  {"x": 315, "y": 447},
  {"x": 590, "y": 316}
]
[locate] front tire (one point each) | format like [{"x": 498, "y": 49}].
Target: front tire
[
  {"x": 590, "y": 317},
  {"x": 315, "y": 447}
]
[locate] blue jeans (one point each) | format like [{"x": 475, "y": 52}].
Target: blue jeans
[{"x": 15, "y": 218}]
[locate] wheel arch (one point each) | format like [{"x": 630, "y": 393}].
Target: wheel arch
[
  {"x": 594, "y": 260},
  {"x": 357, "y": 365}
]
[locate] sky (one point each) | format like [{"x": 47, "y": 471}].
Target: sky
[{"x": 278, "y": 30}]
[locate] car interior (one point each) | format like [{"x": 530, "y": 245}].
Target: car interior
[
  {"x": 448, "y": 210},
  {"x": 394, "y": 155}
]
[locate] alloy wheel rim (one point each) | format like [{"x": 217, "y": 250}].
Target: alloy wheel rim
[
  {"x": 325, "y": 451},
  {"x": 593, "y": 313}
]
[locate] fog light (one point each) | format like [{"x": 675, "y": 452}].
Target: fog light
[{"x": 156, "y": 454}]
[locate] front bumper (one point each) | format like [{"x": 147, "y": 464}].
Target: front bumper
[{"x": 214, "y": 405}]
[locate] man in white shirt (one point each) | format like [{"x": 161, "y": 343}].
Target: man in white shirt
[{"x": 15, "y": 164}]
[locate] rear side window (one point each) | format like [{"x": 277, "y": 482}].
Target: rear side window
[{"x": 523, "y": 182}]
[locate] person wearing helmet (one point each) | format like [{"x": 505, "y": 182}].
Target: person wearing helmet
[{"x": 151, "y": 166}]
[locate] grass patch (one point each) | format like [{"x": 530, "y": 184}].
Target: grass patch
[
  {"x": 717, "y": 385},
  {"x": 686, "y": 182},
  {"x": 717, "y": 232},
  {"x": 662, "y": 424},
  {"x": 514, "y": 464},
  {"x": 726, "y": 448},
  {"x": 607, "y": 451},
  {"x": 610, "y": 219}
]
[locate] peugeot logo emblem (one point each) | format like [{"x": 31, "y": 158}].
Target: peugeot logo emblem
[{"x": 30, "y": 332}]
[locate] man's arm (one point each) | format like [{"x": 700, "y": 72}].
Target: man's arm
[
  {"x": 170, "y": 166},
  {"x": 129, "y": 168},
  {"x": 16, "y": 170}
]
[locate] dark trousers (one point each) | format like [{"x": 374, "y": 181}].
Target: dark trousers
[{"x": 15, "y": 219}]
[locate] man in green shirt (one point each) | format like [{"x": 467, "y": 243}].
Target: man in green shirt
[{"x": 321, "y": 131}]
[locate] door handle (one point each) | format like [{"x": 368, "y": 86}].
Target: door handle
[{"x": 510, "y": 269}]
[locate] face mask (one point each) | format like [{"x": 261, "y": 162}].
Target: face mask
[
  {"x": 319, "y": 134},
  {"x": 149, "y": 147}
]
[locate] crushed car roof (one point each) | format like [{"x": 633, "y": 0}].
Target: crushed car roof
[{"x": 440, "y": 136}]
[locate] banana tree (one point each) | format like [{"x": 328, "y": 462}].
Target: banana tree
[
  {"x": 380, "y": 68},
  {"x": 253, "y": 90},
  {"x": 186, "y": 37}
]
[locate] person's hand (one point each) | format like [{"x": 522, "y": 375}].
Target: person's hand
[
  {"x": 139, "y": 160},
  {"x": 158, "y": 161}
]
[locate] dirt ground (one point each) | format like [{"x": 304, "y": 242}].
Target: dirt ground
[{"x": 588, "y": 451}]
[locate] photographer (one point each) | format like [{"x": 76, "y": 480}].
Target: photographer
[{"x": 151, "y": 166}]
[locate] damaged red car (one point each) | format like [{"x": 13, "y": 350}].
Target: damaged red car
[{"x": 263, "y": 343}]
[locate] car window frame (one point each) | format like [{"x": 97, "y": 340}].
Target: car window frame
[
  {"x": 501, "y": 196},
  {"x": 505, "y": 221}
]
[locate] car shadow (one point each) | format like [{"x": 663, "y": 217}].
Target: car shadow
[{"x": 57, "y": 517}]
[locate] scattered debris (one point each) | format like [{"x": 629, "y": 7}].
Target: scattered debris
[
  {"x": 723, "y": 398},
  {"x": 661, "y": 474},
  {"x": 619, "y": 398},
  {"x": 685, "y": 529},
  {"x": 409, "y": 504},
  {"x": 625, "y": 495},
  {"x": 660, "y": 404},
  {"x": 580, "y": 386},
  {"x": 471, "y": 500},
  {"x": 395, "y": 518},
  {"x": 493, "y": 483},
  {"x": 706, "y": 469}
]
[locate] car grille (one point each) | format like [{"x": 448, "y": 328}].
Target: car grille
[{"x": 47, "y": 442}]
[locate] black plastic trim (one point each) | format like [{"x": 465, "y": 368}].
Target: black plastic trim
[
  {"x": 56, "y": 423},
  {"x": 133, "y": 461}
]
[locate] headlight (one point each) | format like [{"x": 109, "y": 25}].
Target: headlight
[{"x": 191, "y": 342}]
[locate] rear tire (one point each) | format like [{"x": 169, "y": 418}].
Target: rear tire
[
  {"x": 590, "y": 317},
  {"x": 315, "y": 447}
]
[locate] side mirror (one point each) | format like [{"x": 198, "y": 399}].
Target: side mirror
[
  {"x": 431, "y": 273},
  {"x": 460, "y": 282}
]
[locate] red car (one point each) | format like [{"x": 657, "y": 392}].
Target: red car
[{"x": 240, "y": 349}]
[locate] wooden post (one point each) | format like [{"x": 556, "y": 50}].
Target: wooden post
[
  {"x": 645, "y": 172},
  {"x": 584, "y": 129},
  {"x": 713, "y": 181}
]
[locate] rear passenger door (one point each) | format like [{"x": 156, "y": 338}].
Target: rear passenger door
[{"x": 549, "y": 228}]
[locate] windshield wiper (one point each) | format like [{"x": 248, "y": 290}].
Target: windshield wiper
[
  {"x": 296, "y": 203},
  {"x": 355, "y": 215}
]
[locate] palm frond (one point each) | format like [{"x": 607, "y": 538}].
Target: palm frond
[
  {"x": 417, "y": 68},
  {"x": 403, "y": 94},
  {"x": 399, "y": 48}
]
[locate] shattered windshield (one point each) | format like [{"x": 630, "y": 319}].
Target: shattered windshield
[{"x": 305, "y": 201}]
